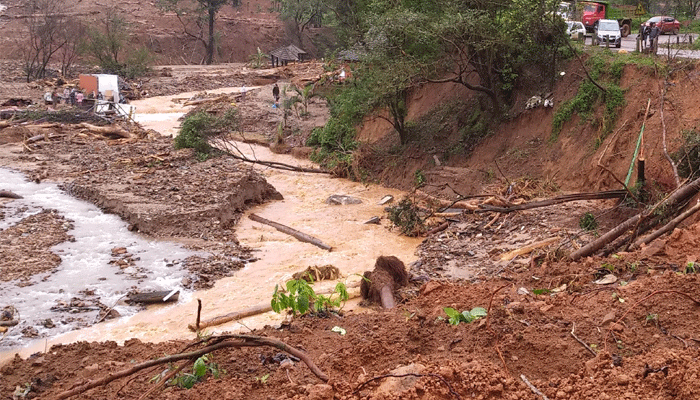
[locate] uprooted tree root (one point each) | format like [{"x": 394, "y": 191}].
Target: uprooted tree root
[
  {"x": 378, "y": 286},
  {"x": 216, "y": 343}
]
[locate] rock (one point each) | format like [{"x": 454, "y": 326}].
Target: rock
[
  {"x": 608, "y": 318},
  {"x": 119, "y": 250},
  {"x": 320, "y": 392},
  {"x": 338, "y": 199},
  {"x": 447, "y": 373},
  {"x": 622, "y": 379},
  {"x": 386, "y": 199},
  {"x": 606, "y": 280},
  {"x": 523, "y": 291},
  {"x": 396, "y": 386},
  {"x": 373, "y": 220},
  {"x": 429, "y": 287},
  {"x": 617, "y": 327},
  {"x": 516, "y": 306}
]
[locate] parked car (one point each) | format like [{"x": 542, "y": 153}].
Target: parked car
[
  {"x": 610, "y": 29},
  {"x": 665, "y": 24},
  {"x": 573, "y": 28}
]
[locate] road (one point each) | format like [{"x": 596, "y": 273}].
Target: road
[{"x": 629, "y": 44}]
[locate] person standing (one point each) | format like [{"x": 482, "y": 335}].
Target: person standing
[
  {"x": 654, "y": 38},
  {"x": 276, "y": 94}
]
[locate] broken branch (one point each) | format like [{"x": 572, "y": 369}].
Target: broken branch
[
  {"x": 666, "y": 228},
  {"x": 610, "y": 194},
  {"x": 532, "y": 387},
  {"x": 526, "y": 249},
  {"x": 300, "y": 236},
  {"x": 573, "y": 328},
  {"x": 240, "y": 341}
]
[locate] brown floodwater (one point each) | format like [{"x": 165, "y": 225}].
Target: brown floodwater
[{"x": 355, "y": 247}]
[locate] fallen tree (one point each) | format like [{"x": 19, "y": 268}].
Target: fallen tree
[
  {"x": 671, "y": 206},
  {"x": 300, "y": 236}
]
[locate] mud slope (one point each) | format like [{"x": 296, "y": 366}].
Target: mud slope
[{"x": 523, "y": 146}]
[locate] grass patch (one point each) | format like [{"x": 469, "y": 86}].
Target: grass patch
[{"x": 608, "y": 74}]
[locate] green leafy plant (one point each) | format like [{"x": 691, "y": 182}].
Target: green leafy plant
[
  {"x": 301, "y": 298},
  {"x": 419, "y": 178},
  {"x": 201, "y": 367},
  {"x": 690, "y": 268},
  {"x": 406, "y": 217},
  {"x": 455, "y": 317},
  {"x": 588, "y": 222},
  {"x": 541, "y": 291},
  {"x": 199, "y": 127},
  {"x": 257, "y": 60},
  {"x": 589, "y": 95},
  {"x": 688, "y": 155},
  {"x": 262, "y": 379}
]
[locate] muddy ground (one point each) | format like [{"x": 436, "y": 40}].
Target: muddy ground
[{"x": 640, "y": 329}]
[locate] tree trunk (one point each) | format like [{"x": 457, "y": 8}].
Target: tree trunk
[{"x": 210, "y": 44}]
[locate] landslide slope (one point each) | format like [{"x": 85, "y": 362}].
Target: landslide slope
[{"x": 451, "y": 146}]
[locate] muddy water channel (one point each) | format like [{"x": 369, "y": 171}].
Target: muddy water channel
[{"x": 355, "y": 244}]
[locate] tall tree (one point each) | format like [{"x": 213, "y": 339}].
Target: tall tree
[
  {"x": 46, "y": 25},
  {"x": 301, "y": 14},
  {"x": 204, "y": 19}
]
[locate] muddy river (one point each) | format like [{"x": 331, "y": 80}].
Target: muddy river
[{"x": 355, "y": 247}]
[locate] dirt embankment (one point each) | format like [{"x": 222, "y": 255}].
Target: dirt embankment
[{"x": 523, "y": 146}]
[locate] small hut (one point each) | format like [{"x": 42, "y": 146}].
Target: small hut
[{"x": 284, "y": 55}]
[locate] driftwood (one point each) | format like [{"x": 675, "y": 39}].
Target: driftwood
[
  {"x": 461, "y": 204},
  {"x": 109, "y": 131},
  {"x": 12, "y": 322},
  {"x": 154, "y": 297},
  {"x": 222, "y": 319},
  {"x": 302, "y": 237},
  {"x": 530, "y": 247},
  {"x": 611, "y": 194},
  {"x": 220, "y": 342},
  {"x": 9, "y": 195},
  {"x": 666, "y": 228},
  {"x": 438, "y": 228},
  {"x": 678, "y": 197},
  {"x": 42, "y": 137}
]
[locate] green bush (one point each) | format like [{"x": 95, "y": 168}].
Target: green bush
[
  {"x": 198, "y": 128},
  {"x": 301, "y": 298},
  {"x": 589, "y": 96},
  {"x": 194, "y": 133},
  {"x": 687, "y": 157},
  {"x": 406, "y": 217}
]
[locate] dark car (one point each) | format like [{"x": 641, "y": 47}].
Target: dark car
[{"x": 665, "y": 24}]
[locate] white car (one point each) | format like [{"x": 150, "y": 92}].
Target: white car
[
  {"x": 608, "y": 29},
  {"x": 573, "y": 28}
]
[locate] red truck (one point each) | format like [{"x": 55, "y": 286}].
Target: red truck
[{"x": 592, "y": 11}]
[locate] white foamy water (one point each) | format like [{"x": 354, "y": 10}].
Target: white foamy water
[{"x": 85, "y": 262}]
